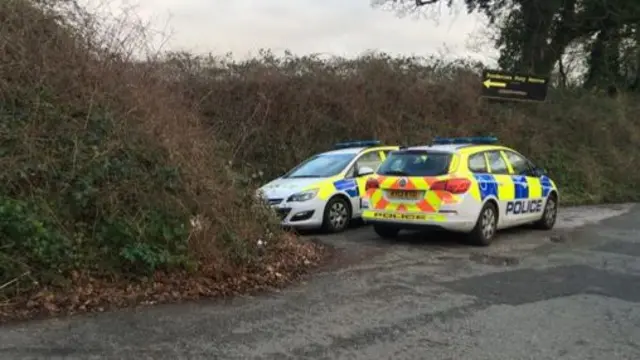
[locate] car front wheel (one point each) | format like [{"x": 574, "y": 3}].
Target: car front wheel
[
  {"x": 550, "y": 214},
  {"x": 337, "y": 215}
]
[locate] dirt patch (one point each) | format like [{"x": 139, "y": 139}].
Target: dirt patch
[{"x": 86, "y": 294}]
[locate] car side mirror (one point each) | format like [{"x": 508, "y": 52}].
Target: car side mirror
[
  {"x": 365, "y": 170},
  {"x": 537, "y": 172}
]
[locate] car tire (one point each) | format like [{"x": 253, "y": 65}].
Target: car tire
[
  {"x": 337, "y": 215},
  {"x": 549, "y": 215},
  {"x": 486, "y": 226},
  {"x": 386, "y": 231}
]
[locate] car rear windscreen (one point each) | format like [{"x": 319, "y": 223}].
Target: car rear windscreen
[{"x": 415, "y": 163}]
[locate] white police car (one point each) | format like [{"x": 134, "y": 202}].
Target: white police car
[
  {"x": 470, "y": 185},
  {"x": 325, "y": 190}
]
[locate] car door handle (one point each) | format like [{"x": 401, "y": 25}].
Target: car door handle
[{"x": 500, "y": 183}]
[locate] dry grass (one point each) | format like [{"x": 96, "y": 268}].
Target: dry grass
[
  {"x": 274, "y": 112},
  {"x": 103, "y": 166}
]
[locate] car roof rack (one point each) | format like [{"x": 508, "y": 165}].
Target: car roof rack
[
  {"x": 472, "y": 140},
  {"x": 356, "y": 144}
]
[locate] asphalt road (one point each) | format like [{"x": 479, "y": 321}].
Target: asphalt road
[{"x": 572, "y": 293}]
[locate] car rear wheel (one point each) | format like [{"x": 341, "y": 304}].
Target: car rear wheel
[
  {"x": 337, "y": 215},
  {"x": 386, "y": 231},
  {"x": 486, "y": 226},
  {"x": 550, "y": 214}
]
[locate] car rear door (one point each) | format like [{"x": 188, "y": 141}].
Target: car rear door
[{"x": 499, "y": 170}]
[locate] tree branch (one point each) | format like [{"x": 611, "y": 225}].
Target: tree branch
[{"x": 425, "y": 2}]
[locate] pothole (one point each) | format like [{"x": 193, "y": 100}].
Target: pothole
[
  {"x": 494, "y": 260},
  {"x": 558, "y": 238}
]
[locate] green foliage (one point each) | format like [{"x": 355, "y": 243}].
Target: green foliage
[
  {"x": 81, "y": 198},
  {"x": 29, "y": 240},
  {"x": 103, "y": 167}
]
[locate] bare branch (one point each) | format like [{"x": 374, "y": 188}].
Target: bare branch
[
  {"x": 425, "y": 2},
  {"x": 418, "y": 9},
  {"x": 15, "y": 280}
]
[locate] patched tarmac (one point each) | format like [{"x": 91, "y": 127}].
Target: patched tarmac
[{"x": 572, "y": 293}]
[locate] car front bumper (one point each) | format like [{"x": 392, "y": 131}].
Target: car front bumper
[{"x": 301, "y": 215}]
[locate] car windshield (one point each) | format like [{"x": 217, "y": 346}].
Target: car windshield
[
  {"x": 415, "y": 163},
  {"x": 324, "y": 165}
]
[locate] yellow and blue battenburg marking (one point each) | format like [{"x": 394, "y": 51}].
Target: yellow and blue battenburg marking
[
  {"x": 521, "y": 186},
  {"x": 547, "y": 185},
  {"x": 349, "y": 186},
  {"x": 487, "y": 184}
]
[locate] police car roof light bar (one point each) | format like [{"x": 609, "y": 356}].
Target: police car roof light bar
[
  {"x": 353, "y": 144},
  {"x": 478, "y": 140}
]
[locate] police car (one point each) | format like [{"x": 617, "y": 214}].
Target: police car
[
  {"x": 325, "y": 190},
  {"x": 470, "y": 185}
]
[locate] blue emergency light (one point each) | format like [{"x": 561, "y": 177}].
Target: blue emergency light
[
  {"x": 359, "y": 143},
  {"x": 478, "y": 140}
]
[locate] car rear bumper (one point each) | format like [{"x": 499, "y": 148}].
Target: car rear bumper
[{"x": 436, "y": 220}]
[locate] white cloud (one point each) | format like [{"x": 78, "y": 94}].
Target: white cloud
[{"x": 339, "y": 27}]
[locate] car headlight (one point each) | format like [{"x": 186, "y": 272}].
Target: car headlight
[{"x": 304, "y": 195}]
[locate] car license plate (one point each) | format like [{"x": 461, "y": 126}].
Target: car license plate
[{"x": 404, "y": 194}]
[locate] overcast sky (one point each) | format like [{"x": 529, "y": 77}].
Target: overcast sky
[{"x": 338, "y": 27}]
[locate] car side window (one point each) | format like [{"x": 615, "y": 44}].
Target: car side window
[
  {"x": 496, "y": 163},
  {"x": 477, "y": 163},
  {"x": 520, "y": 165},
  {"x": 371, "y": 160}
]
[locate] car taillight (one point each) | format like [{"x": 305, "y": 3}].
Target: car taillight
[
  {"x": 454, "y": 186},
  {"x": 371, "y": 184}
]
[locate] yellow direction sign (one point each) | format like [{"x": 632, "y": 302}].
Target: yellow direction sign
[{"x": 509, "y": 86}]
